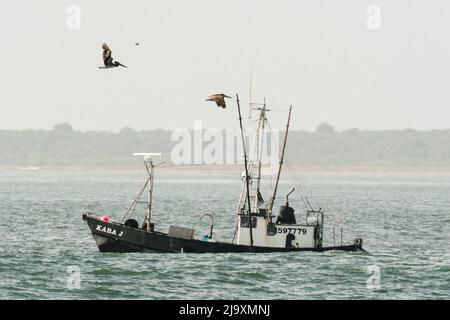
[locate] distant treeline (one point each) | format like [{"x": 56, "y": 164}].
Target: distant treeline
[{"x": 324, "y": 148}]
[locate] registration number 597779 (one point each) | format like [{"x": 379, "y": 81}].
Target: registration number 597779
[{"x": 292, "y": 230}]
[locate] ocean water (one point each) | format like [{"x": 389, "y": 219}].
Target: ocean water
[{"x": 47, "y": 251}]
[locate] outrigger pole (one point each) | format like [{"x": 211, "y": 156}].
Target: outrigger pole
[
  {"x": 246, "y": 174},
  {"x": 272, "y": 199}
]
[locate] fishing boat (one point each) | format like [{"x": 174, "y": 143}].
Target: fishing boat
[{"x": 257, "y": 230}]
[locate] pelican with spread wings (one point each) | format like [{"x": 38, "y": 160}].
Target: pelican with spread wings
[
  {"x": 219, "y": 99},
  {"x": 108, "y": 59}
]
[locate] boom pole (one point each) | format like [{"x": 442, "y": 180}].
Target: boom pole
[
  {"x": 246, "y": 174},
  {"x": 272, "y": 199}
]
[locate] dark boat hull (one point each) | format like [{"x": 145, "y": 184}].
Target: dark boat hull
[{"x": 115, "y": 237}]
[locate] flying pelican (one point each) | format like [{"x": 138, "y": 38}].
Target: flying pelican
[
  {"x": 219, "y": 99},
  {"x": 107, "y": 58}
]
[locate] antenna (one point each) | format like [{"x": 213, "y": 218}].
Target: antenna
[{"x": 250, "y": 104}]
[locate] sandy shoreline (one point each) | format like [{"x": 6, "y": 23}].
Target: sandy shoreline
[{"x": 233, "y": 169}]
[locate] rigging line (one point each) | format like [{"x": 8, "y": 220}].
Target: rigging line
[
  {"x": 302, "y": 193},
  {"x": 274, "y": 144},
  {"x": 298, "y": 181},
  {"x": 301, "y": 185},
  {"x": 303, "y": 196},
  {"x": 304, "y": 190}
]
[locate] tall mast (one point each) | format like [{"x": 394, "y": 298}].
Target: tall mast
[
  {"x": 254, "y": 165},
  {"x": 148, "y": 162},
  {"x": 272, "y": 199},
  {"x": 261, "y": 126},
  {"x": 150, "y": 194},
  {"x": 246, "y": 174},
  {"x": 150, "y": 170}
]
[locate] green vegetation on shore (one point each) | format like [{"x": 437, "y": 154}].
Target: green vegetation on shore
[{"x": 64, "y": 147}]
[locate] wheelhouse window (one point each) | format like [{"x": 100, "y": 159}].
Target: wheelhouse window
[{"x": 245, "y": 220}]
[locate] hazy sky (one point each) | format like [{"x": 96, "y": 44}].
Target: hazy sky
[{"x": 319, "y": 56}]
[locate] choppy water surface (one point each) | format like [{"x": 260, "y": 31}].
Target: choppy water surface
[{"x": 403, "y": 218}]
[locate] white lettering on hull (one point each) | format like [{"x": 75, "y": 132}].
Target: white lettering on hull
[{"x": 108, "y": 230}]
